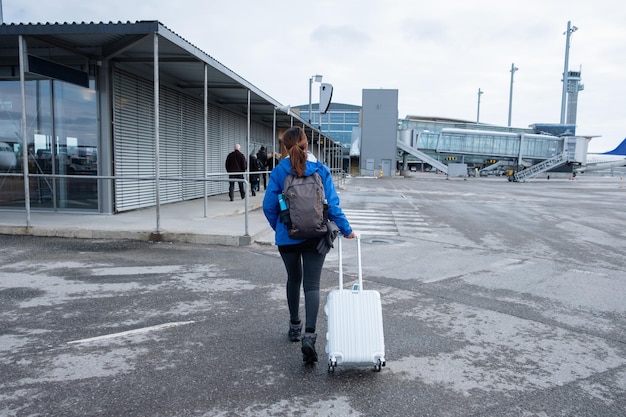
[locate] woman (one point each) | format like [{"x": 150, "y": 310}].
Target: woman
[
  {"x": 255, "y": 178},
  {"x": 303, "y": 262}
]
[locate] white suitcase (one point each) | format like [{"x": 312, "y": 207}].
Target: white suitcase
[{"x": 355, "y": 323}]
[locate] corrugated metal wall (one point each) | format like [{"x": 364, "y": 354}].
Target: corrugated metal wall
[
  {"x": 133, "y": 141},
  {"x": 181, "y": 142}
]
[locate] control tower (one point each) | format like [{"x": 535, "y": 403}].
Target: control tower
[{"x": 573, "y": 87}]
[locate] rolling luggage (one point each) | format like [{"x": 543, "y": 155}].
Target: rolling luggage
[{"x": 355, "y": 323}]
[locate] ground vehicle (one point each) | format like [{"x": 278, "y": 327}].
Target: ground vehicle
[
  {"x": 489, "y": 172},
  {"x": 8, "y": 160}
]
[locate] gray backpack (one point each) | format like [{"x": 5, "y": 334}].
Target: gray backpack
[{"x": 308, "y": 209}]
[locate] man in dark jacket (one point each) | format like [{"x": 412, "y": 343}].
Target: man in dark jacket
[
  {"x": 236, "y": 162},
  {"x": 272, "y": 160},
  {"x": 261, "y": 155}
]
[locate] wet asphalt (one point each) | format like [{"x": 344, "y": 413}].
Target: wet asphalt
[{"x": 499, "y": 299}]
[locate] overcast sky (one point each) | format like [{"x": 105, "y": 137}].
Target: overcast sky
[{"x": 437, "y": 54}]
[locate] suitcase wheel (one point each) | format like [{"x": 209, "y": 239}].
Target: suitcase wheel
[
  {"x": 379, "y": 365},
  {"x": 331, "y": 366}
]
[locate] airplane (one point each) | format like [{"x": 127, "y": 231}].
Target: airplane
[
  {"x": 8, "y": 160},
  {"x": 605, "y": 160}
]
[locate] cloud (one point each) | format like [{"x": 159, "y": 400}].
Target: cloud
[
  {"x": 437, "y": 54},
  {"x": 424, "y": 30},
  {"x": 332, "y": 36}
]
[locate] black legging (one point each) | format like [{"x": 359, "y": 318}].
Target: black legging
[
  {"x": 304, "y": 268},
  {"x": 231, "y": 187}
]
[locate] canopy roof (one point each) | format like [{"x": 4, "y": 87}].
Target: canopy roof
[{"x": 131, "y": 46}]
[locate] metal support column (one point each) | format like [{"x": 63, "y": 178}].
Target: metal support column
[
  {"x": 274, "y": 132},
  {"x": 480, "y": 93},
  {"x": 22, "y": 52},
  {"x": 247, "y": 182},
  {"x": 513, "y": 69},
  {"x": 156, "y": 131},
  {"x": 206, "y": 137}
]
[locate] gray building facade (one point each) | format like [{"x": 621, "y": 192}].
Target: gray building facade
[{"x": 379, "y": 132}]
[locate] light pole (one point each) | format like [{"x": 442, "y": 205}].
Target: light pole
[
  {"x": 513, "y": 69},
  {"x": 317, "y": 79},
  {"x": 570, "y": 29},
  {"x": 478, "y": 111}
]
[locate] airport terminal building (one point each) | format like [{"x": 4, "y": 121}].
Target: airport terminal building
[
  {"x": 124, "y": 116},
  {"x": 121, "y": 116}
]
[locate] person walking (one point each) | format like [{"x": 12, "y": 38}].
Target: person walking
[
  {"x": 255, "y": 177},
  {"x": 303, "y": 262},
  {"x": 262, "y": 156},
  {"x": 236, "y": 162},
  {"x": 272, "y": 160}
]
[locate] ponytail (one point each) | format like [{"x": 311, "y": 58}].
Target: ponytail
[{"x": 296, "y": 145}]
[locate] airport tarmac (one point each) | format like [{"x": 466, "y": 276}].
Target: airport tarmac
[{"x": 499, "y": 299}]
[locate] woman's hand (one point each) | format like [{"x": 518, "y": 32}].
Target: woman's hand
[{"x": 352, "y": 235}]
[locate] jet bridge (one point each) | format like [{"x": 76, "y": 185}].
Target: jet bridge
[{"x": 532, "y": 154}]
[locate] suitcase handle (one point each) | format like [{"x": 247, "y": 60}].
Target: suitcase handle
[{"x": 358, "y": 257}]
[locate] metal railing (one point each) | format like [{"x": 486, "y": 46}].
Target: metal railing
[
  {"x": 337, "y": 174},
  {"x": 421, "y": 155},
  {"x": 536, "y": 169}
]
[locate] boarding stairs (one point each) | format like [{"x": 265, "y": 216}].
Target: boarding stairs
[
  {"x": 537, "y": 169},
  {"x": 423, "y": 157}
]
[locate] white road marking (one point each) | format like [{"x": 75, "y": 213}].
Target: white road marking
[
  {"x": 132, "y": 332},
  {"x": 387, "y": 223}
]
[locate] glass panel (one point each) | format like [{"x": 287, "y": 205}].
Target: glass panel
[
  {"x": 37, "y": 121},
  {"x": 352, "y": 118},
  {"x": 76, "y": 145},
  {"x": 66, "y": 147},
  {"x": 336, "y": 117},
  {"x": 11, "y": 188}
]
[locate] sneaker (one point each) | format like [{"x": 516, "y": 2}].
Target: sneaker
[
  {"x": 309, "y": 355},
  {"x": 294, "y": 331}
]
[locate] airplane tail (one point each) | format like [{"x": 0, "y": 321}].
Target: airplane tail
[{"x": 620, "y": 150}]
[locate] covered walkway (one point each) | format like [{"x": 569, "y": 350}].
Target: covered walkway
[
  {"x": 126, "y": 116},
  {"x": 226, "y": 223}
]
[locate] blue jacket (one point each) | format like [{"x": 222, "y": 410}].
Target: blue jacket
[{"x": 271, "y": 208}]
